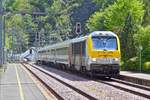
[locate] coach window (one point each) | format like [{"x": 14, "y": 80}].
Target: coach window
[
  {"x": 64, "y": 51},
  {"x": 83, "y": 48},
  {"x": 53, "y": 52},
  {"x": 76, "y": 48}
]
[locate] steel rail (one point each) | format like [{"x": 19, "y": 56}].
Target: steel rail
[
  {"x": 66, "y": 84},
  {"x": 119, "y": 87},
  {"x": 125, "y": 89},
  {"x": 46, "y": 85},
  {"x": 131, "y": 79},
  {"x": 131, "y": 84}
]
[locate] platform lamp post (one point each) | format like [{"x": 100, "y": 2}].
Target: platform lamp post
[
  {"x": 140, "y": 49},
  {"x": 1, "y": 34},
  {"x": 4, "y": 42}
]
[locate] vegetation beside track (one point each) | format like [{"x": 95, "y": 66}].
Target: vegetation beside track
[{"x": 128, "y": 18}]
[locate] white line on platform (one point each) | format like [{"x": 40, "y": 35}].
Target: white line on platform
[{"x": 19, "y": 84}]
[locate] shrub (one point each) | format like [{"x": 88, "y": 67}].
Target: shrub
[
  {"x": 147, "y": 67},
  {"x": 132, "y": 64}
]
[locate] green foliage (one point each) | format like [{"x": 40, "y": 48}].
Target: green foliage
[
  {"x": 146, "y": 18},
  {"x": 21, "y": 6},
  {"x": 59, "y": 14},
  {"x": 124, "y": 16},
  {"x": 8, "y": 4},
  {"x": 96, "y": 22},
  {"x": 114, "y": 16},
  {"x": 56, "y": 25},
  {"x": 145, "y": 54},
  {"x": 147, "y": 67},
  {"x": 143, "y": 37},
  {"x": 8, "y": 41},
  {"x": 16, "y": 26},
  {"x": 40, "y": 5},
  {"x": 120, "y": 16},
  {"x": 103, "y": 3},
  {"x": 132, "y": 64}
]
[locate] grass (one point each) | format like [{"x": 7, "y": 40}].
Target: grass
[{"x": 1, "y": 71}]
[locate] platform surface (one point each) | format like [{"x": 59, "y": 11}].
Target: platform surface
[
  {"x": 16, "y": 84},
  {"x": 136, "y": 75}
]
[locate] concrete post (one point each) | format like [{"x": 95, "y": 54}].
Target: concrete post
[
  {"x": 1, "y": 31},
  {"x": 140, "y": 48},
  {"x": 4, "y": 49}
]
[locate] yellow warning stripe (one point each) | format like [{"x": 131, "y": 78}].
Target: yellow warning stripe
[
  {"x": 38, "y": 84},
  {"x": 19, "y": 84}
]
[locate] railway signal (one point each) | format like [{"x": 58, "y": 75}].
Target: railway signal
[{"x": 78, "y": 28}]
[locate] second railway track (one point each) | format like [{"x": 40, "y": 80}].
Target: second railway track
[{"x": 129, "y": 87}]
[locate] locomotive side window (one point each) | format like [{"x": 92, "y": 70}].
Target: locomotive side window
[
  {"x": 83, "y": 48},
  {"x": 77, "y": 48}
]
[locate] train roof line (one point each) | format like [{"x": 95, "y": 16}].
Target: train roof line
[
  {"x": 107, "y": 33},
  {"x": 78, "y": 39}
]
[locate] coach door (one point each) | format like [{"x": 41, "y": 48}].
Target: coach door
[{"x": 78, "y": 54}]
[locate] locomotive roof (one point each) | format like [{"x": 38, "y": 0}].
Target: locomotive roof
[{"x": 103, "y": 33}]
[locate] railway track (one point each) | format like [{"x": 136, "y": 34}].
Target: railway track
[
  {"x": 131, "y": 84},
  {"x": 128, "y": 87},
  {"x": 136, "y": 89},
  {"x": 57, "y": 95},
  {"x": 46, "y": 85}
]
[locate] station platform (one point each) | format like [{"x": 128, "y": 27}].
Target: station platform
[
  {"x": 16, "y": 84},
  {"x": 138, "y": 78}
]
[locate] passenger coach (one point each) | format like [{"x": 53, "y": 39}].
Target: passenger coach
[{"x": 97, "y": 53}]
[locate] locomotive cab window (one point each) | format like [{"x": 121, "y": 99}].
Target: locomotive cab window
[
  {"x": 104, "y": 42},
  {"x": 30, "y": 51}
]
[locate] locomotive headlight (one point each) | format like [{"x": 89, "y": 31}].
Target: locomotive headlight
[
  {"x": 117, "y": 59},
  {"x": 94, "y": 59}
]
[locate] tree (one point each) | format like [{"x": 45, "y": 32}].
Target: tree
[
  {"x": 143, "y": 37},
  {"x": 121, "y": 17},
  {"x": 146, "y": 20},
  {"x": 102, "y": 4},
  {"x": 96, "y": 22},
  {"x": 115, "y": 15},
  {"x": 22, "y": 6},
  {"x": 15, "y": 24},
  {"x": 60, "y": 18}
]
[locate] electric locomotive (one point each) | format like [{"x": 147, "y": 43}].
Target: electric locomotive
[{"x": 97, "y": 53}]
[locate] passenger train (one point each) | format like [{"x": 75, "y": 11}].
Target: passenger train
[{"x": 97, "y": 53}]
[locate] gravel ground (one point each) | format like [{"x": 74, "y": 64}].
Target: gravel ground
[{"x": 99, "y": 90}]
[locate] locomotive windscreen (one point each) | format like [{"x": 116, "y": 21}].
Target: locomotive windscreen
[{"x": 104, "y": 42}]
